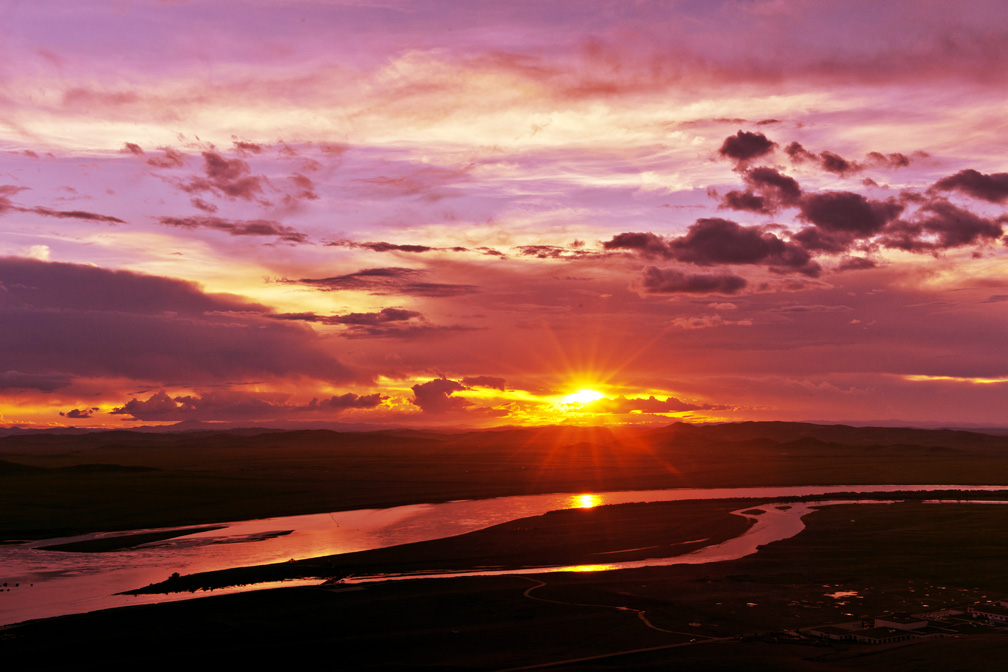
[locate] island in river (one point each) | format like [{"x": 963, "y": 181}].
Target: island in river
[{"x": 908, "y": 557}]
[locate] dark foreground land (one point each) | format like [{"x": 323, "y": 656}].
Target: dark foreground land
[
  {"x": 908, "y": 557},
  {"x": 59, "y": 485}
]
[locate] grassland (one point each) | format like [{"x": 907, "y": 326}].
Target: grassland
[{"x": 724, "y": 616}]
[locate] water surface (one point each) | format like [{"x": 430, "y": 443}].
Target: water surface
[{"x": 43, "y": 583}]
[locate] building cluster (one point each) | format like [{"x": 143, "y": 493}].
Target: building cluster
[{"x": 898, "y": 627}]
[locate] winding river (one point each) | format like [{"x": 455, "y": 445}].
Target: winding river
[{"x": 38, "y": 583}]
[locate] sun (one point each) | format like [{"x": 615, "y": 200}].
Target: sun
[{"x": 582, "y": 396}]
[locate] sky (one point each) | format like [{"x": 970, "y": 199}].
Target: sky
[{"x": 449, "y": 213}]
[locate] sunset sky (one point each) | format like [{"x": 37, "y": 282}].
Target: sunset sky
[{"x": 457, "y": 213}]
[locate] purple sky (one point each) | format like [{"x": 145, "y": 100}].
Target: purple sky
[{"x": 460, "y": 213}]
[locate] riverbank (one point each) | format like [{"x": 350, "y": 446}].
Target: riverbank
[
  {"x": 53, "y": 485},
  {"x": 849, "y": 561},
  {"x": 585, "y": 537}
]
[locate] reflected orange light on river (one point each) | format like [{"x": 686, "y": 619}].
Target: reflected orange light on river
[{"x": 584, "y": 501}]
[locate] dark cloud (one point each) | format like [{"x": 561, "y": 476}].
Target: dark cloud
[
  {"x": 834, "y": 163},
  {"x": 651, "y": 404},
  {"x": 345, "y": 401},
  {"x": 304, "y": 188},
  {"x": 744, "y": 146},
  {"x": 158, "y": 407},
  {"x": 357, "y": 319},
  {"x": 720, "y": 241},
  {"x": 212, "y": 406},
  {"x": 435, "y": 396},
  {"x": 489, "y": 251},
  {"x": 252, "y": 147},
  {"x": 848, "y": 213},
  {"x": 225, "y": 177},
  {"x": 828, "y": 161},
  {"x": 767, "y": 192},
  {"x": 746, "y": 200},
  {"x": 555, "y": 252},
  {"x": 856, "y": 264},
  {"x": 648, "y": 244},
  {"x": 714, "y": 241},
  {"x": 383, "y": 246},
  {"x": 255, "y": 227},
  {"x": 939, "y": 225},
  {"x": 234, "y": 405},
  {"x": 893, "y": 160},
  {"x": 654, "y": 280},
  {"x": 73, "y": 214},
  {"x": 200, "y": 204},
  {"x": 7, "y": 190},
  {"x": 170, "y": 158},
  {"x": 388, "y": 281},
  {"x": 133, "y": 148},
  {"x": 992, "y": 188},
  {"x": 43, "y": 382},
  {"x": 79, "y": 413},
  {"x": 484, "y": 381},
  {"x": 88, "y": 321},
  {"x": 386, "y": 323}
]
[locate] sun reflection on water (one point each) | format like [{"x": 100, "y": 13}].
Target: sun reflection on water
[
  {"x": 584, "y": 501},
  {"x": 589, "y": 568}
]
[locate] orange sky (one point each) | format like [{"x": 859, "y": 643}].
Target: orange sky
[{"x": 459, "y": 214}]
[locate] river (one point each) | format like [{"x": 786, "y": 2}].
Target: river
[{"x": 38, "y": 583}]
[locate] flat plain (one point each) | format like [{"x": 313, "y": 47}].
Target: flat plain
[{"x": 850, "y": 561}]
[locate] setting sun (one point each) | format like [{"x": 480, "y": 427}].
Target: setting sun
[{"x": 582, "y": 396}]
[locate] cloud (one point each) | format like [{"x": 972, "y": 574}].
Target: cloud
[
  {"x": 622, "y": 405},
  {"x": 244, "y": 146},
  {"x": 304, "y": 189},
  {"x": 856, "y": 264},
  {"x": 386, "y": 323},
  {"x": 939, "y": 225},
  {"x": 654, "y": 280},
  {"x": 768, "y": 191},
  {"x": 61, "y": 214},
  {"x": 87, "y": 321},
  {"x": 205, "y": 206},
  {"x": 892, "y": 160},
  {"x": 171, "y": 158},
  {"x": 234, "y": 405},
  {"x": 430, "y": 183},
  {"x": 387, "y": 281},
  {"x": 6, "y": 205},
  {"x": 345, "y": 401},
  {"x": 435, "y": 396},
  {"x": 848, "y": 214},
  {"x": 714, "y": 241},
  {"x": 44, "y": 382},
  {"x": 254, "y": 227},
  {"x": 556, "y": 252},
  {"x": 992, "y": 188},
  {"x": 383, "y": 246},
  {"x": 79, "y": 413},
  {"x": 225, "y": 177},
  {"x": 744, "y": 146},
  {"x": 484, "y": 381},
  {"x": 834, "y": 163}
]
